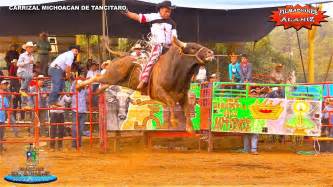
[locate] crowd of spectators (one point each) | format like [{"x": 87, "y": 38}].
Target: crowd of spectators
[{"x": 32, "y": 75}]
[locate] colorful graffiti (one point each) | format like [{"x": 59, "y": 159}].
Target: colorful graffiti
[{"x": 284, "y": 116}]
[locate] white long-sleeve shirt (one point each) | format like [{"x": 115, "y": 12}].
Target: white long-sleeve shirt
[
  {"x": 63, "y": 60},
  {"x": 162, "y": 30},
  {"x": 24, "y": 64}
]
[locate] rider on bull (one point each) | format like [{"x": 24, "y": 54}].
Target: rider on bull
[{"x": 163, "y": 29}]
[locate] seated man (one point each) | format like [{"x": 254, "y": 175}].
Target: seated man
[{"x": 163, "y": 28}]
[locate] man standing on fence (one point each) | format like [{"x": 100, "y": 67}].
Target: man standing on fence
[
  {"x": 60, "y": 70},
  {"x": 25, "y": 72}
]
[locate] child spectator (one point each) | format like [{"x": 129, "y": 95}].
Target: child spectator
[
  {"x": 277, "y": 76},
  {"x": 39, "y": 87},
  {"x": 234, "y": 69},
  {"x": 82, "y": 109},
  {"x": 4, "y": 103},
  {"x": 245, "y": 69},
  {"x": 57, "y": 117}
]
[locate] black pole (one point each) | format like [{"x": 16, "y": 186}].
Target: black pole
[{"x": 301, "y": 55}]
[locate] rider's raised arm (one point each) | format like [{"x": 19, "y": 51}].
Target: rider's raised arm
[{"x": 132, "y": 15}]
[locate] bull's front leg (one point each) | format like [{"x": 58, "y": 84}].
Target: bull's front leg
[
  {"x": 87, "y": 82},
  {"x": 186, "y": 108}
]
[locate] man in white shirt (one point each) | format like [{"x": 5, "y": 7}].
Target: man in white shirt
[
  {"x": 202, "y": 75},
  {"x": 60, "y": 70},
  {"x": 25, "y": 65},
  {"x": 163, "y": 29},
  {"x": 25, "y": 71}
]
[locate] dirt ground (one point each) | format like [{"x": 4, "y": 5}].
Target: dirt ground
[{"x": 277, "y": 164}]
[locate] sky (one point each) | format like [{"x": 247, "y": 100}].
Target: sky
[{"x": 329, "y": 8}]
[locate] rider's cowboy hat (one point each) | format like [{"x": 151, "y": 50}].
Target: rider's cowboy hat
[
  {"x": 163, "y": 4},
  {"x": 28, "y": 44}
]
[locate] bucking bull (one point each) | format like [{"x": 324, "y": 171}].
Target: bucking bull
[{"x": 170, "y": 77}]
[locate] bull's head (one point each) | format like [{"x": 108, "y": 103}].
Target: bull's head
[{"x": 202, "y": 54}]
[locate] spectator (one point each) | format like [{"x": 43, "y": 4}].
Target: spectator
[
  {"x": 15, "y": 87},
  {"x": 234, "y": 69},
  {"x": 82, "y": 109},
  {"x": 57, "y": 117},
  {"x": 291, "y": 79},
  {"x": 40, "y": 89},
  {"x": 327, "y": 118},
  {"x": 276, "y": 76},
  {"x": 25, "y": 71},
  {"x": 93, "y": 71},
  {"x": 245, "y": 69},
  {"x": 43, "y": 47},
  {"x": 212, "y": 78},
  {"x": 13, "y": 68},
  {"x": 202, "y": 75},
  {"x": 250, "y": 142},
  {"x": 4, "y": 103},
  {"x": 277, "y": 92},
  {"x": 10, "y": 114},
  {"x": 11, "y": 55},
  {"x": 61, "y": 66}
]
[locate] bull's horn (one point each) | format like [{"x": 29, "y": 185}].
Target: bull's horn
[
  {"x": 178, "y": 42},
  {"x": 105, "y": 40}
]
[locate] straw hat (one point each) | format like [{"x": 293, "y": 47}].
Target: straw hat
[{"x": 28, "y": 44}]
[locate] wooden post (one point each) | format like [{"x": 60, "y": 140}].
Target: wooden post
[{"x": 77, "y": 42}]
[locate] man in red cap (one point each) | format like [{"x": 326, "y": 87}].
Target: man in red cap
[{"x": 163, "y": 29}]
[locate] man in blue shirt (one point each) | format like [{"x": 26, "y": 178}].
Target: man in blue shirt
[
  {"x": 234, "y": 69},
  {"x": 60, "y": 70}
]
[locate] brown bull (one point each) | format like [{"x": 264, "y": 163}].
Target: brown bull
[{"x": 170, "y": 78}]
